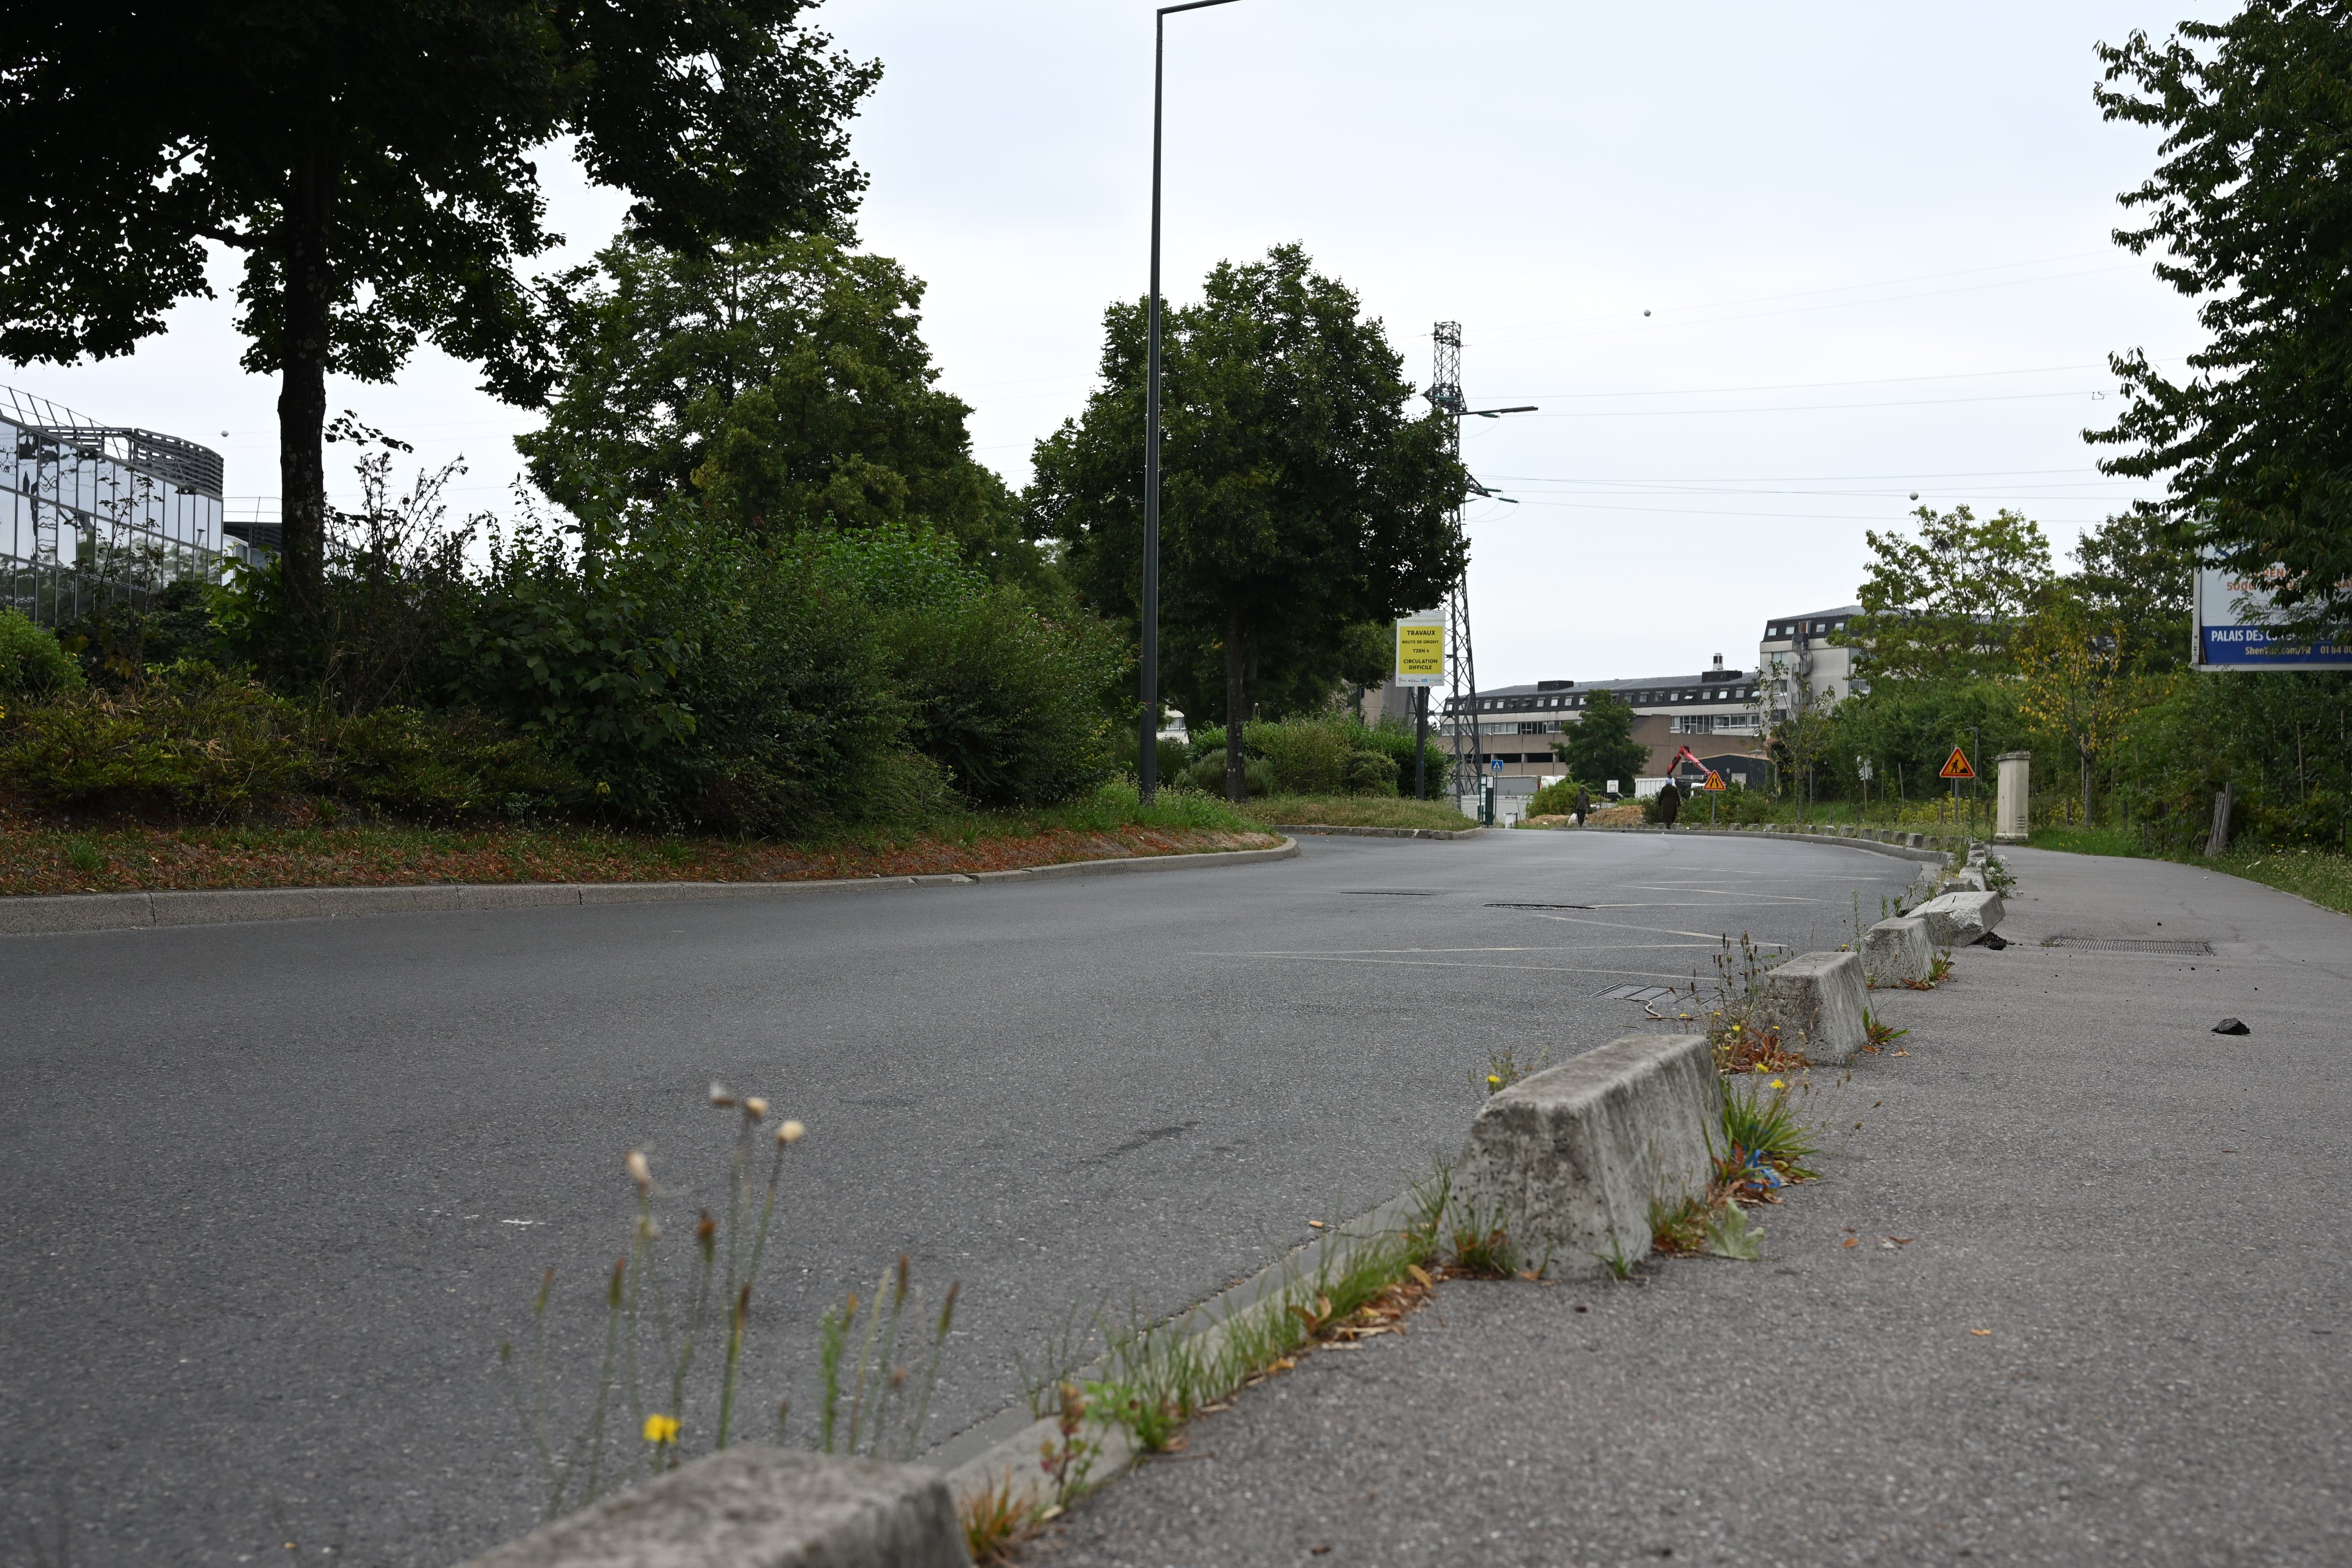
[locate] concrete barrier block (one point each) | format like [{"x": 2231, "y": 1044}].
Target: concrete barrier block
[
  {"x": 1816, "y": 998},
  {"x": 758, "y": 1508},
  {"x": 1955, "y": 919},
  {"x": 1896, "y": 951},
  {"x": 1571, "y": 1158},
  {"x": 1971, "y": 881}
]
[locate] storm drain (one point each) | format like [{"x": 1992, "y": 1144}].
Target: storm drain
[
  {"x": 1538, "y": 906},
  {"x": 2131, "y": 945},
  {"x": 1635, "y": 993}
]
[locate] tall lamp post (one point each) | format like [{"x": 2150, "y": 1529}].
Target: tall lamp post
[{"x": 1147, "y": 755}]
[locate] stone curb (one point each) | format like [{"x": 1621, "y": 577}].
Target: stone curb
[
  {"x": 1332, "y": 831},
  {"x": 43, "y": 914},
  {"x": 1902, "y": 851}
]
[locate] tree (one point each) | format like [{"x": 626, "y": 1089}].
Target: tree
[
  {"x": 371, "y": 165},
  {"x": 1947, "y": 604},
  {"x": 1299, "y": 498},
  {"x": 1599, "y": 747},
  {"x": 2075, "y": 683},
  {"x": 786, "y": 385},
  {"x": 2251, "y": 211},
  {"x": 2134, "y": 573}
]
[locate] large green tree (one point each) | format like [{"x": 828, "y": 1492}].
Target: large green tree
[
  {"x": 1301, "y": 497},
  {"x": 372, "y": 166},
  {"x": 1947, "y": 603},
  {"x": 787, "y": 385},
  {"x": 1599, "y": 747},
  {"x": 2250, "y": 212},
  {"x": 2133, "y": 576}
]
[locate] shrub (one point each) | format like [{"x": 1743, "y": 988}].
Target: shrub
[
  {"x": 453, "y": 766},
  {"x": 1372, "y": 773},
  {"x": 1208, "y": 776},
  {"x": 1316, "y": 755},
  {"x": 1005, "y": 701},
  {"x": 33, "y": 663},
  {"x": 191, "y": 738}
]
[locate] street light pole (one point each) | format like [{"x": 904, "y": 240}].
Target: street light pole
[{"x": 1147, "y": 755}]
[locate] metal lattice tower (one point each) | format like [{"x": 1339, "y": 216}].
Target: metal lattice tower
[{"x": 1462, "y": 698}]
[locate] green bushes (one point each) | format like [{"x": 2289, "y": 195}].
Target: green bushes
[
  {"x": 32, "y": 663},
  {"x": 193, "y": 740},
  {"x": 1321, "y": 757}
]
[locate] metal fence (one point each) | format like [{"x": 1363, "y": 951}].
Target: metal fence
[{"x": 91, "y": 515}]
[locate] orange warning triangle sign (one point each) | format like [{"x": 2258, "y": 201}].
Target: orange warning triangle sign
[
  {"x": 1714, "y": 781},
  {"x": 1956, "y": 766}
]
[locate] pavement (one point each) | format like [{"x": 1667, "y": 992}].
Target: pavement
[
  {"x": 2072, "y": 1292},
  {"x": 279, "y": 1190}
]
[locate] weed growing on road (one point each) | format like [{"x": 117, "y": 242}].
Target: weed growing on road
[
  {"x": 1729, "y": 1235},
  {"x": 876, "y": 1385},
  {"x": 656, "y": 1332},
  {"x": 1762, "y": 1129},
  {"x": 1740, "y": 1027},
  {"x": 1879, "y": 1032},
  {"x": 995, "y": 1521},
  {"x": 1504, "y": 1069}
]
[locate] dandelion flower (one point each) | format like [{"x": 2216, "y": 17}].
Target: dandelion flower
[
  {"x": 661, "y": 1429},
  {"x": 755, "y": 1108},
  {"x": 1779, "y": 1084},
  {"x": 1494, "y": 1078},
  {"x": 639, "y": 1171},
  {"x": 790, "y": 1133}
]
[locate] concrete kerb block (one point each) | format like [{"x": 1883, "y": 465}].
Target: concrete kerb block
[
  {"x": 1569, "y": 1160},
  {"x": 77, "y": 912},
  {"x": 1896, "y": 951},
  {"x": 1955, "y": 919},
  {"x": 1817, "y": 1000},
  {"x": 758, "y": 1508}
]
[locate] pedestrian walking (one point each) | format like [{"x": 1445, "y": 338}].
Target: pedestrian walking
[
  {"x": 1584, "y": 803},
  {"x": 1670, "y": 802}
]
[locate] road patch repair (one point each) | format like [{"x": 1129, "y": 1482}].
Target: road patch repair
[{"x": 1578, "y": 1172}]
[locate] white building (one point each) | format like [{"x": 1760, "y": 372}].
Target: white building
[{"x": 1796, "y": 657}]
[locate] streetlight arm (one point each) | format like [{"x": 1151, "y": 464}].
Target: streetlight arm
[{"x": 1191, "y": 6}]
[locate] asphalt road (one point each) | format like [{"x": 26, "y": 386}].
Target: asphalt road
[
  {"x": 279, "y": 1190},
  {"x": 2073, "y": 1293}
]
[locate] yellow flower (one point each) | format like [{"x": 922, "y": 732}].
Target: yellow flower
[
  {"x": 1494, "y": 1078},
  {"x": 1777, "y": 1084},
  {"x": 661, "y": 1428}
]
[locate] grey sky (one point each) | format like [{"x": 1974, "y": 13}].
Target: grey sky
[{"x": 1872, "y": 240}]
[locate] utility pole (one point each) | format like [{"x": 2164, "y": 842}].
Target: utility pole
[{"x": 1446, "y": 397}]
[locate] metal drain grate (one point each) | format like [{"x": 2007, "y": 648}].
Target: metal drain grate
[
  {"x": 2132, "y": 944},
  {"x": 1538, "y": 906},
  {"x": 1635, "y": 993}
]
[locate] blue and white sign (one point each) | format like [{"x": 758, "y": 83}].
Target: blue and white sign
[{"x": 2233, "y": 632}]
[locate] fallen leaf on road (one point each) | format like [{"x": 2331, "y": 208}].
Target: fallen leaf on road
[
  {"x": 1850, "y": 1241},
  {"x": 1901, "y": 1240},
  {"x": 1315, "y": 1225},
  {"x": 1903, "y": 1053},
  {"x": 1981, "y": 1333},
  {"x": 1419, "y": 1275}
]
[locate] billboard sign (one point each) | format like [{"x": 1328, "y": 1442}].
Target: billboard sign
[
  {"x": 1421, "y": 650},
  {"x": 2233, "y": 615}
]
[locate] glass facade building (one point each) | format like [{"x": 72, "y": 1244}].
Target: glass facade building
[{"x": 91, "y": 513}]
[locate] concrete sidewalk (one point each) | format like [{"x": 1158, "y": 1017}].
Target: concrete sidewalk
[{"x": 2113, "y": 1331}]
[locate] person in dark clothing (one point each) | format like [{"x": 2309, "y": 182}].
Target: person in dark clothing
[
  {"x": 1670, "y": 802},
  {"x": 1584, "y": 803}
]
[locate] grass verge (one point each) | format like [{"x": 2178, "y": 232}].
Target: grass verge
[
  {"x": 42, "y": 852},
  {"x": 2323, "y": 876},
  {"x": 1356, "y": 811}
]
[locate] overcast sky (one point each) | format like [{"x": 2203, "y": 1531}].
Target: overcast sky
[{"x": 1766, "y": 270}]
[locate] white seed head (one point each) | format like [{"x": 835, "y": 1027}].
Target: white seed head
[
  {"x": 720, "y": 1095},
  {"x": 639, "y": 1171},
  {"x": 755, "y": 1108},
  {"x": 790, "y": 1133}
]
